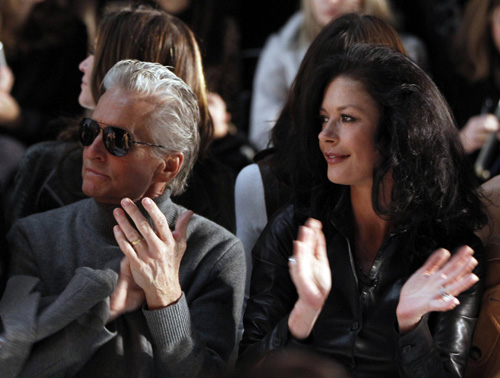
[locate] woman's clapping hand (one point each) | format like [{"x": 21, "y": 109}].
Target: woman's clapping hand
[
  {"x": 435, "y": 286},
  {"x": 310, "y": 272}
]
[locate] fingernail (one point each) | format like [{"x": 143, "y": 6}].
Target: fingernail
[
  {"x": 147, "y": 201},
  {"x": 126, "y": 202}
]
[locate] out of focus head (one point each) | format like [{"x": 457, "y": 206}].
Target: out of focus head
[
  {"x": 477, "y": 38},
  {"x": 318, "y": 13},
  {"x": 174, "y": 6},
  {"x": 17, "y": 10},
  {"x": 151, "y": 35},
  {"x": 495, "y": 23},
  {"x": 293, "y": 363},
  {"x": 154, "y": 107}
]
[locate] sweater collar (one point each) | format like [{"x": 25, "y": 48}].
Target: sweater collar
[{"x": 100, "y": 215}]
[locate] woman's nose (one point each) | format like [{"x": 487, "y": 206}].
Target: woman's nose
[
  {"x": 329, "y": 132},
  {"x": 84, "y": 64}
]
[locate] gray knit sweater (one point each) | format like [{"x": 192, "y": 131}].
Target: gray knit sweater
[{"x": 194, "y": 337}]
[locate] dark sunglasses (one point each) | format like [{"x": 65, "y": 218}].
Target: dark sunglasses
[{"x": 117, "y": 141}]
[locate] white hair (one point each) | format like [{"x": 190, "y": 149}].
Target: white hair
[{"x": 175, "y": 117}]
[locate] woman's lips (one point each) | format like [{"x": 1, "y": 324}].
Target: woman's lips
[{"x": 333, "y": 158}]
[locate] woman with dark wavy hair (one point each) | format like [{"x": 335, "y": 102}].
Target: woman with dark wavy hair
[
  {"x": 261, "y": 188},
  {"x": 381, "y": 276}
]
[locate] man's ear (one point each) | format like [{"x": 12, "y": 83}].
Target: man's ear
[{"x": 170, "y": 167}]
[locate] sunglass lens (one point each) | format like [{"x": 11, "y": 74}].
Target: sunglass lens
[
  {"x": 88, "y": 131},
  {"x": 116, "y": 141}
]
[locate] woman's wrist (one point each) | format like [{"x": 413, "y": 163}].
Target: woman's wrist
[
  {"x": 302, "y": 319},
  {"x": 407, "y": 321}
]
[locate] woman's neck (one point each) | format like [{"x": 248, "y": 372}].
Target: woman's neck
[{"x": 370, "y": 229}]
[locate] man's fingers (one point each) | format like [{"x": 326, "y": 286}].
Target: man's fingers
[
  {"x": 181, "y": 225},
  {"x": 119, "y": 296},
  {"x": 132, "y": 235},
  {"x": 159, "y": 220},
  {"x": 141, "y": 223},
  {"x": 125, "y": 246}
]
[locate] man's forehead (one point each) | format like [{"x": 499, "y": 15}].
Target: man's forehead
[{"x": 124, "y": 109}]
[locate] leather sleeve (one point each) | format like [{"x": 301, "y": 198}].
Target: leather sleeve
[{"x": 272, "y": 292}]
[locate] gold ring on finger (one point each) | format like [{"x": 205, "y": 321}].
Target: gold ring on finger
[{"x": 136, "y": 241}]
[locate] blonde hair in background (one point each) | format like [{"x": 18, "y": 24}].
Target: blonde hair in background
[
  {"x": 473, "y": 40},
  {"x": 377, "y": 8}
]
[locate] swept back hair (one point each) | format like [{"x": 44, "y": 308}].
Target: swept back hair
[{"x": 174, "y": 121}]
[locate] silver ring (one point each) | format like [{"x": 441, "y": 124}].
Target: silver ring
[
  {"x": 292, "y": 261},
  {"x": 444, "y": 294}
]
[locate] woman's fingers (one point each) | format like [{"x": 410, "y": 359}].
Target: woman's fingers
[
  {"x": 435, "y": 261},
  {"x": 309, "y": 266},
  {"x": 458, "y": 287},
  {"x": 320, "y": 241},
  {"x": 461, "y": 263}
]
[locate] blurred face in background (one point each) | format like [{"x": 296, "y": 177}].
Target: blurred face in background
[
  {"x": 86, "y": 99},
  {"x": 495, "y": 27},
  {"x": 174, "y": 6},
  {"x": 19, "y": 11},
  {"x": 326, "y": 10}
]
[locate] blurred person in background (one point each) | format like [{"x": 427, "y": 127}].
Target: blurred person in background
[
  {"x": 39, "y": 80},
  {"x": 473, "y": 87},
  {"x": 43, "y": 44},
  {"x": 283, "y": 52},
  {"x": 214, "y": 25}
]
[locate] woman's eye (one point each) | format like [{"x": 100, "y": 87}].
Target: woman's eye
[
  {"x": 347, "y": 118},
  {"x": 323, "y": 119}
]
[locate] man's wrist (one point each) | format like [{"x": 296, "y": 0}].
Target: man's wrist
[{"x": 159, "y": 300}]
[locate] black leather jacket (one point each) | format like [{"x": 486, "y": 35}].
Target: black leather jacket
[{"x": 357, "y": 325}]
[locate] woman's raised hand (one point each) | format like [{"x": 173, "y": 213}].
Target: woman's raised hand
[
  {"x": 310, "y": 272},
  {"x": 435, "y": 285}
]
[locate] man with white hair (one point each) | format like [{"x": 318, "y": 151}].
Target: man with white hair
[{"x": 174, "y": 306}]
